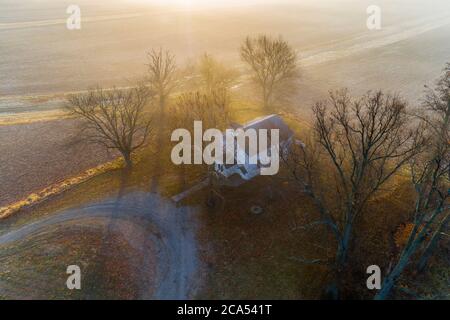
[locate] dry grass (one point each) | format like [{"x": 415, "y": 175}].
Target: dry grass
[
  {"x": 258, "y": 256},
  {"x": 58, "y": 188},
  {"x": 35, "y": 268}
]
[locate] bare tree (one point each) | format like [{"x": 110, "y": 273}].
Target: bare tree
[
  {"x": 211, "y": 108},
  {"x": 215, "y": 75},
  {"x": 363, "y": 142},
  {"x": 272, "y": 61},
  {"x": 113, "y": 118},
  {"x": 430, "y": 176},
  {"x": 162, "y": 71}
]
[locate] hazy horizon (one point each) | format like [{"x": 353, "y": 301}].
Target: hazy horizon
[{"x": 38, "y": 55}]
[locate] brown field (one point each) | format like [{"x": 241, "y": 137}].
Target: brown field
[{"x": 36, "y": 155}]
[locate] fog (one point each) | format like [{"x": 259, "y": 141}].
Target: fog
[{"x": 39, "y": 55}]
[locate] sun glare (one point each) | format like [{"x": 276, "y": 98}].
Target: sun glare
[{"x": 186, "y": 3}]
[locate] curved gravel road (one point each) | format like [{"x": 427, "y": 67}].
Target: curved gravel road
[{"x": 173, "y": 232}]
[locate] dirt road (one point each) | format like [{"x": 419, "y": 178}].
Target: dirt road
[{"x": 172, "y": 232}]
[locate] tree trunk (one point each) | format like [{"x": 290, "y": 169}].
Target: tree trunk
[
  {"x": 341, "y": 254},
  {"x": 334, "y": 289},
  {"x": 391, "y": 278},
  {"x": 431, "y": 246},
  {"x": 266, "y": 98},
  {"x": 162, "y": 102},
  {"x": 127, "y": 158}
]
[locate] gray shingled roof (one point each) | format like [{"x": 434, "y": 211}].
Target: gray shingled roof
[
  {"x": 272, "y": 121},
  {"x": 269, "y": 122}
]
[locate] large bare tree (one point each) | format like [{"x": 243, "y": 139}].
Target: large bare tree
[
  {"x": 162, "y": 74},
  {"x": 357, "y": 146},
  {"x": 430, "y": 176},
  {"x": 214, "y": 75},
  {"x": 113, "y": 118},
  {"x": 212, "y": 108},
  {"x": 272, "y": 61}
]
